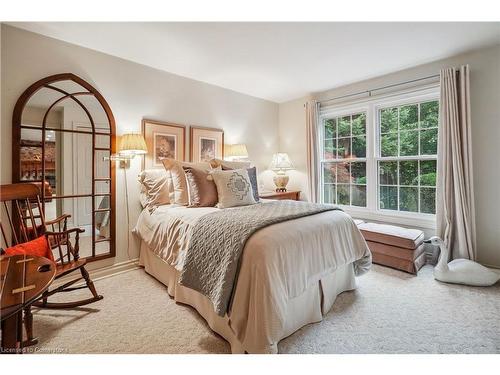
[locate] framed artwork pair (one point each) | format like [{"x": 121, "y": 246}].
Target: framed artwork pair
[{"x": 168, "y": 140}]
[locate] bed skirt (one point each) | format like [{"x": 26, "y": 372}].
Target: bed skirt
[{"x": 309, "y": 307}]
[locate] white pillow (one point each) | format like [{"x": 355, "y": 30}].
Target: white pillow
[
  {"x": 233, "y": 188},
  {"x": 156, "y": 188}
]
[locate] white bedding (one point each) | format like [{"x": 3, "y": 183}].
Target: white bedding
[
  {"x": 279, "y": 264},
  {"x": 166, "y": 230}
]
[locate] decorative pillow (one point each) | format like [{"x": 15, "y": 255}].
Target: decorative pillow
[
  {"x": 252, "y": 174},
  {"x": 233, "y": 188},
  {"x": 179, "y": 184},
  {"x": 156, "y": 188},
  {"x": 37, "y": 247},
  {"x": 214, "y": 163},
  {"x": 202, "y": 191}
]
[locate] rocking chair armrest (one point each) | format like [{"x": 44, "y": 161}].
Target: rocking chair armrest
[
  {"x": 57, "y": 220},
  {"x": 67, "y": 247},
  {"x": 69, "y": 231}
]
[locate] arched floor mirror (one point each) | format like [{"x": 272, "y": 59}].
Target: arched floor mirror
[{"x": 64, "y": 133}]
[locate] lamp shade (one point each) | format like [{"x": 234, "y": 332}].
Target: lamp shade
[
  {"x": 281, "y": 162},
  {"x": 132, "y": 144},
  {"x": 236, "y": 151}
]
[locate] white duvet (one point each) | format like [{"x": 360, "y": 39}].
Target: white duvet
[{"x": 279, "y": 262}]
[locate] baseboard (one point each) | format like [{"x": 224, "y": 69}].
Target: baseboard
[
  {"x": 102, "y": 273},
  {"x": 491, "y": 266}
]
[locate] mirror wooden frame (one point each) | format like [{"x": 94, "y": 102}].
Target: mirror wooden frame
[{"x": 16, "y": 148}]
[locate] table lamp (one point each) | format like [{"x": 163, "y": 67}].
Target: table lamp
[{"x": 280, "y": 164}]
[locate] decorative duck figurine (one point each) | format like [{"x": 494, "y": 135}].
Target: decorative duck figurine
[{"x": 461, "y": 271}]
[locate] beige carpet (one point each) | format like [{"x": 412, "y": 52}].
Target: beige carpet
[{"x": 391, "y": 312}]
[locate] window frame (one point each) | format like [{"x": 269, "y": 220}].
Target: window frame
[
  {"x": 342, "y": 160},
  {"x": 371, "y": 106}
]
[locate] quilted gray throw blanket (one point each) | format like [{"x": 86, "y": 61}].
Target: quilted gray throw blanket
[{"x": 212, "y": 260}]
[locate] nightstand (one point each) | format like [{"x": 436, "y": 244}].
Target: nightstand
[{"x": 293, "y": 195}]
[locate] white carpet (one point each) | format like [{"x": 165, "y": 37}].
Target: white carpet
[{"x": 390, "y": 312}]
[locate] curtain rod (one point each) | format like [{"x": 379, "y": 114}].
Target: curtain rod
[{"x": 369, "y": 92}]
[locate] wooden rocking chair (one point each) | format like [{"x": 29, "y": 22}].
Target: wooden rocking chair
[{"x": 27, "y": 222}]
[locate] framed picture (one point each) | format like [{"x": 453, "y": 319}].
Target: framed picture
[
  {"x": 206, "y": 144},
  {"x": 164, "y": 140}
]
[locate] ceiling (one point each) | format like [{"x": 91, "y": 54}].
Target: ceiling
[{"x": 275, "y": 61}]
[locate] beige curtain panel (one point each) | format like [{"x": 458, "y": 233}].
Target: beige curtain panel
[
  {"x": 312, "y": 150},
  {"x": 455, "y": 194}
]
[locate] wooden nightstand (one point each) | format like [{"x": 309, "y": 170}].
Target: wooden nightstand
[{"x": 293, "y": 195}]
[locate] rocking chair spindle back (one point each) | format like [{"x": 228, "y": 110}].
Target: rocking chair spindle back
[{"x": 23, "y": 210}]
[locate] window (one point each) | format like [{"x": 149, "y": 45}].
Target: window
[
  {"x": 378, "y": 156},
  {"x": 407, "y": 160},
  {"x": 344, "y": 160}
]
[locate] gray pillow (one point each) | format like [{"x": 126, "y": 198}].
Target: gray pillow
[{"x": 233, "y": 188}]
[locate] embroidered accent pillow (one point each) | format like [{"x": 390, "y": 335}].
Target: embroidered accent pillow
[
  {"x": 252, "y": 174},
  {"x": 201, "y": 189},
  {"x": 233, "y": 188}
]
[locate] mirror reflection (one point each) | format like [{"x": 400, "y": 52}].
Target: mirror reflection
[{"x": 70, "y": 158}]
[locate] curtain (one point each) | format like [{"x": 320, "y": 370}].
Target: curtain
[
  {"x": 455, "y": 194},
  {"x": 312, "y": 150}
]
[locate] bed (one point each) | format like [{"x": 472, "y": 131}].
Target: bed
[{"x": 290, "y": 273}]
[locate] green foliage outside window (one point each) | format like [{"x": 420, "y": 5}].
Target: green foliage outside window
[
  {"x": 404, "y": 121},
  {"x": 344, "y": 182},
  {"x": 408, "y": 131},
  {"x": 428, "y": 179},
  {"x": 345, "y": 137}
]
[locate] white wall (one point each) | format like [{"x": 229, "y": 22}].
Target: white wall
[
  {"x": 292, "y": 132},
  {"x": 134, "y": 92},
  {"x": 485, "y": 103}
]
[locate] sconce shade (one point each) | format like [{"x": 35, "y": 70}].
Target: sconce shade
[
  {"x": 236, "y": 151},
  {"x": 132, "y": 144},
  {"x": 281, "y": 162}
]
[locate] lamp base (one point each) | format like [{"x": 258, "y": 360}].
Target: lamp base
[{"x": 281, "y": 180}]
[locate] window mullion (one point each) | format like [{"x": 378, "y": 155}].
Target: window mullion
[{"x": 371, "y": 164}]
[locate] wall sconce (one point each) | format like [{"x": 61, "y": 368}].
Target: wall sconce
[
  {"x": 235, "y": 152},
  {"x": 131, "y": 144}
]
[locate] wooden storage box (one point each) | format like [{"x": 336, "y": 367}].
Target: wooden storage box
[{"x": 394, "y": 246}]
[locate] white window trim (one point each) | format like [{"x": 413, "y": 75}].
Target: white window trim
[{"x": 371, "y": 107}]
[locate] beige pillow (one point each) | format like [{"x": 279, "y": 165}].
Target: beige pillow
[
  {"x": 178, "y": 177},
  {"x": 233, "y": 188},
  {"x": 218, "y": 163},
  {"x": 201, "y": 189},
  {"x": 155, "y": 188}
]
